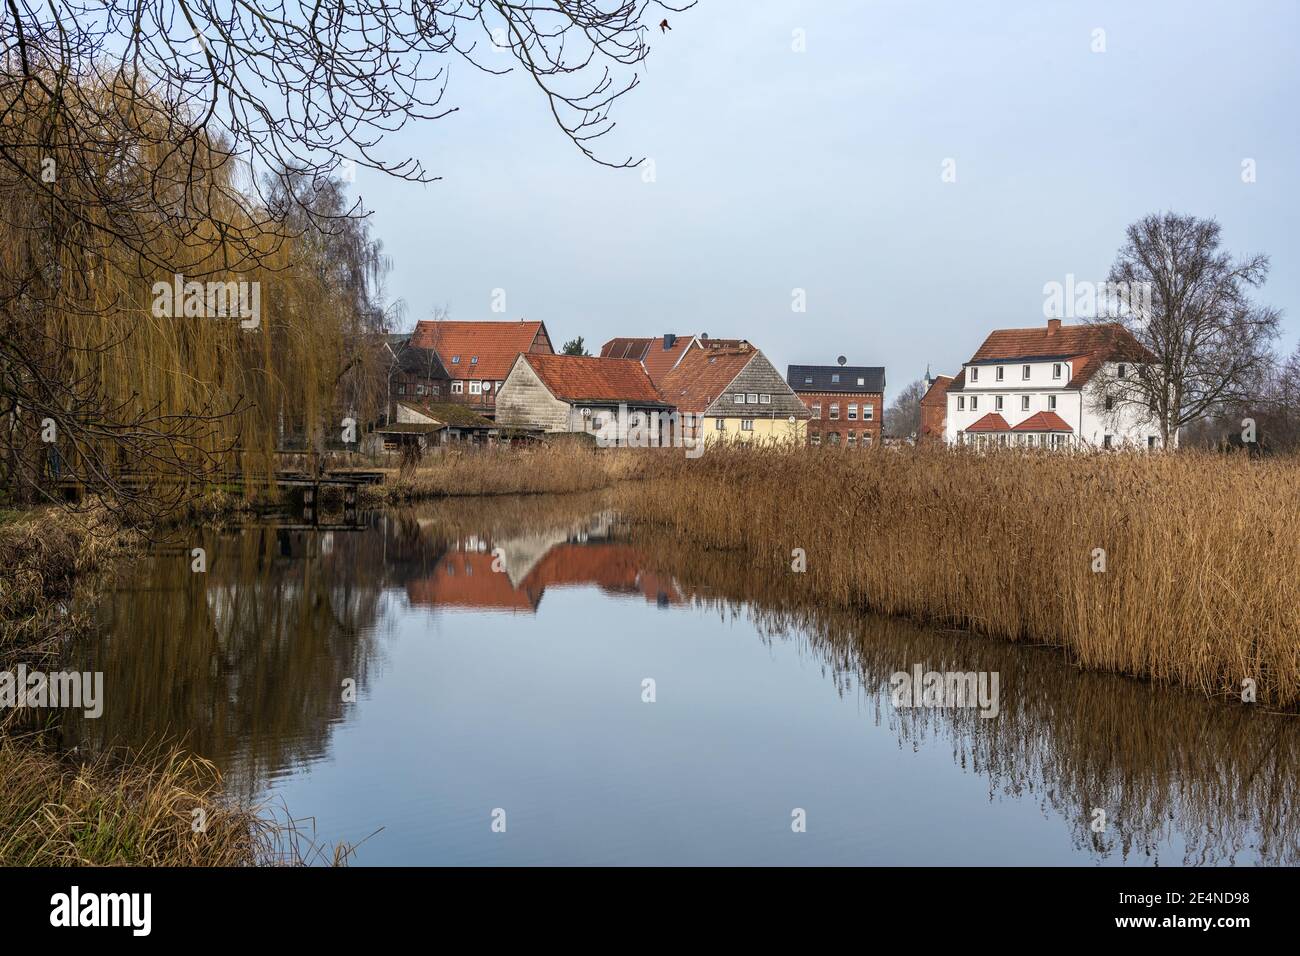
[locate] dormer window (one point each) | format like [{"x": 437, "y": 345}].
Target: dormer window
[
  {"x": 807, "y": 379},
  {"x": 861, "y": 380},
  {"x": 835, "y": 378}
]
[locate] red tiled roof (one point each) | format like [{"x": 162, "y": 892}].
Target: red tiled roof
[
  {"x": 937, "y": 393},
  {"x": 1043, "y": 422},
  {"x": 992, "y": 422},
  {"x": 585, "y": 378},
  {"x": 658, "y": 361},
  {"x": 702, "y": 375},
  {"x": 465, "y": 579},
  {"x": 1086, "y": 346},
  {"x": 494, "y": 344}
]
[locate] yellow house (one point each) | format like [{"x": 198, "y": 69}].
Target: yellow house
[{"x": 741, "y": 395}]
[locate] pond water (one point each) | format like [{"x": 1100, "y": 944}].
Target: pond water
[{"x": 502, "y": 653}]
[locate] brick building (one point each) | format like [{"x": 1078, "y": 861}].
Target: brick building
[
  {"x": 934, "y": 409},
  {"x": 847, "y": 402}
]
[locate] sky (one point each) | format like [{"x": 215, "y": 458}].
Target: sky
[{"x": 823, "y": 170}]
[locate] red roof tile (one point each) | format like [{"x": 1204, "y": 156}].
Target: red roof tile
[
  {"x": 585, "y": 378},
  {"x": 702, "y": 375},
  {"x": 937, "y": 393},
  {"x": 992, "y": 422},
  {"x": 1043, "y": 422},
  {"x": 1087, "y": 346},
  {"x": 496, "y": 345},
  {"x": 658, "y": 361}
]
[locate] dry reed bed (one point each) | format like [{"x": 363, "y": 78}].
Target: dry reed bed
[
  {"x": 507, "y": 471},
  {"x": 1202, "y": 579}
]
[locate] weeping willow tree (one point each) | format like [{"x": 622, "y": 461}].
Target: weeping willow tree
[{"x": 157, "y": 327}]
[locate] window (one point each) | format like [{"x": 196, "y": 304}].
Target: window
[
  {"x": 1024, "y": 372},
  {"x": 1058, "y": 440},
  {"x": 807, "y": 379},
  {"x": 833, "y": 438},
  {"x": 751, "y": 398},
  {"x": 816, "y": 409},
  {"x": 866, "y": 438},
  {"x": 1110, "y": 403},
  {"x": 835, "y": 410},
  {"x": 1051, "y": 403},
  {"x": 974, "y": 375},
  {"x": 455, "y": 360},
  {"x": 816, "y": 438},
  {"x": 473, "y": 360},
  {"x": 974, "y": 403},
  {"x": 1024, "y": 403},
  {"x": 1056, "y": 370},
  {"x": 419, "y": 389},
  {"x": 476, "y": 388},
  {"x": 861, "y": 380},
  {"x": 1121, "y": 371},
  {"x": 765, "y": 399},
  {"x": 961, "y": 403},
  {"x": 835, "y": 378},
  {"x": 747, "y": 424},
  {"x": 868, "y": 413},
  {"x": 1106, "y": 441},
  {"x": 720, "y": 424},
  {"x": 1151, "y": 442},
  {"x": 999, "y": 374},
  {"x": 740, "y": 398},
  {"x": 457, "y": 387},
  {"x": 997, "y": 403},
  {"x": 853, "y": 439},
  {"x": 401, "y": 389},
  {"x": 853, "y": 413},
  {"x": 435, "y": 389}
]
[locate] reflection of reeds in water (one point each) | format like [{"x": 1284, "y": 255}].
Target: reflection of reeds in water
[{"x": 1161, "y": 763}]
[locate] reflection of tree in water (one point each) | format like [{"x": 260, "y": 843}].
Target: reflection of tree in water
[
  {"x": 245, "y": 663},
  {"x": 1163, "y": 764}
]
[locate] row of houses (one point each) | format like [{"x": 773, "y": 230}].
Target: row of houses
[{"x": 490, "y": 381}]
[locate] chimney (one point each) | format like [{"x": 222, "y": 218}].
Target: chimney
[
  {"x": 1053, "y": 326},
  {"x": 669, "y": 340}
]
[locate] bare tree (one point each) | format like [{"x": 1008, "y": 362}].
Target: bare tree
[
  {"x": 1208, "y": 342},
  {"x": 904, "y": 415}
]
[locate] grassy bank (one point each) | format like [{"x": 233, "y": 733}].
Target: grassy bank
[{"x": 1201, "y": 580}]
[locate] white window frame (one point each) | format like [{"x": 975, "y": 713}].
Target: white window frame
[
  {"x": 868, "y": 413},
  {"x": 457, "y": 388},
  {"x": 1000, "y": 374},
  {"x": 765, "y": 399},
  {"x": 1056, "y": 370},
  {"x": 751, "y": 398},
  {"x": 961, "y": 403},
  {"x": 476, "y": 387},
  {"x": 747, "y": 424},
  {"x": 720, "y": 424},
  {"x": 1024, "y": 373},
  {"x": 740, "y": 398},
  {"x": 835, "y": 411},
  {"x": 816, "y": 409},
  {"x": 974, "y": 403},
  {"x": 1024, "y": 403},
  {"x": 997, "y": 403},
  {"x": 853, "y": 413},
  {"x": 1051, "y": 403},
  {"x": 974, "y": 374}
]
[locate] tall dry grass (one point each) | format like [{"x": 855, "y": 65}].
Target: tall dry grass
[
  {"x": 1201, "y": 585},
  {"x": 540, "y": 469}
]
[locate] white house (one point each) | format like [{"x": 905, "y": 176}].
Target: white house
[{"x": 1046, "y": 387}]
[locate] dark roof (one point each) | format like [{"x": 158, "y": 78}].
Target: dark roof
[
  {"x": 418, "y": 361},
  {"x": 873, "y": 378}
]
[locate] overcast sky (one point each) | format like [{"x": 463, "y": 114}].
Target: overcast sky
[{"x": 821, "y": 170}]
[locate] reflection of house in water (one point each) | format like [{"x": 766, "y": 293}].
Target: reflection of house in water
[{"x": 512, "y": 574}]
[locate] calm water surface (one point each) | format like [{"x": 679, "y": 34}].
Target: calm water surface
[{"x": 521, "y": 688}]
